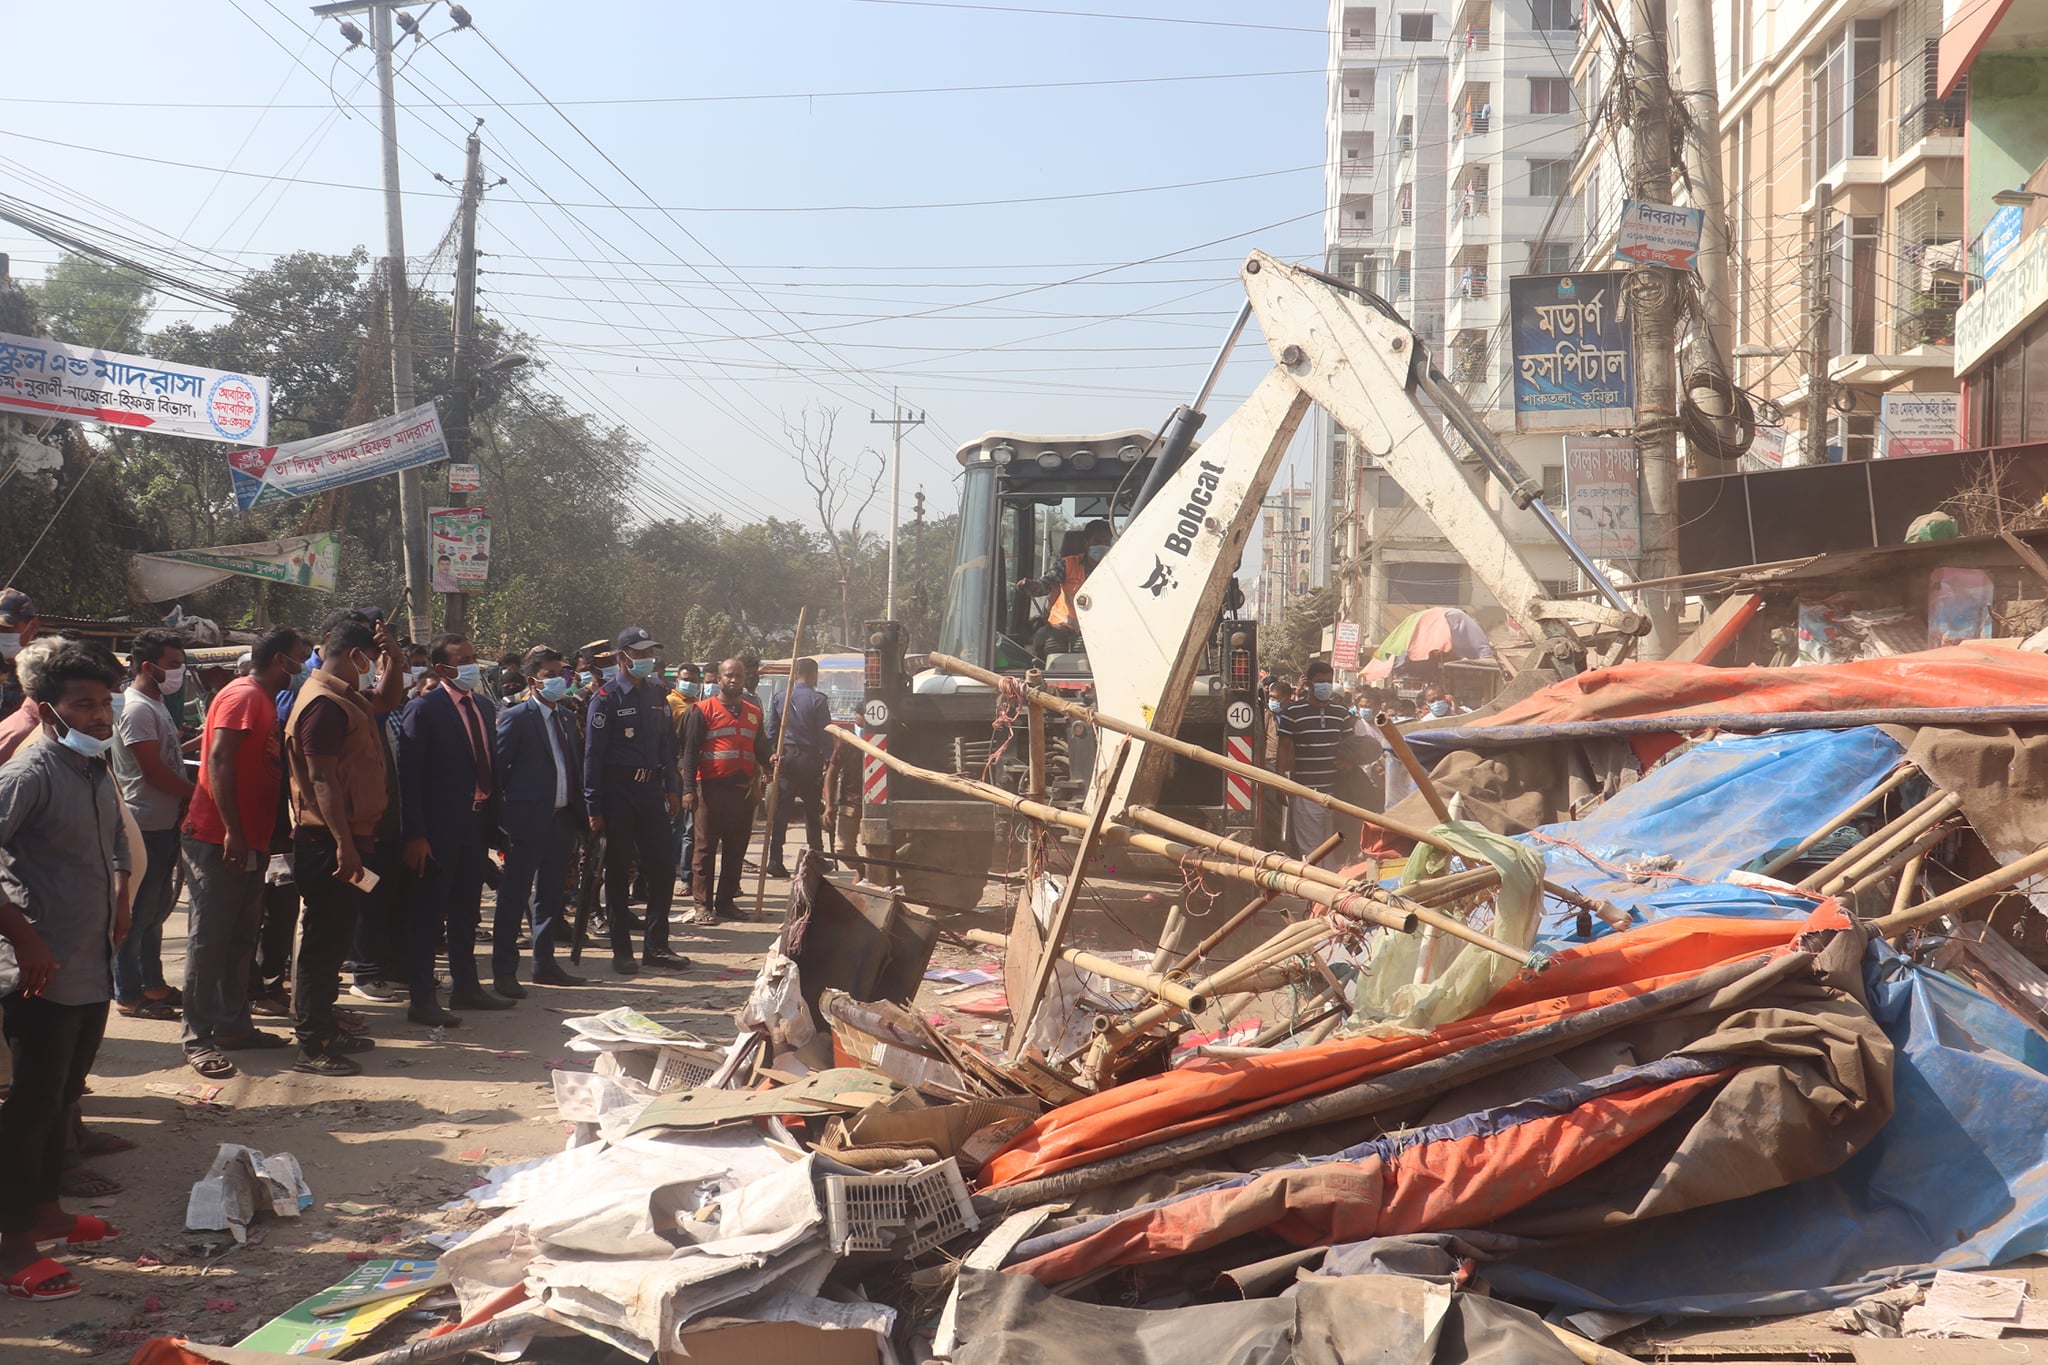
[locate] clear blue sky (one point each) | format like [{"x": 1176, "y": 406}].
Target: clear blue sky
[{"x": 684, "y": 324}]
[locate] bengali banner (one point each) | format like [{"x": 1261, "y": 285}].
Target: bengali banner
[
  {"x": 44, "y": 378},
  {"x": 303, "y": 468}
]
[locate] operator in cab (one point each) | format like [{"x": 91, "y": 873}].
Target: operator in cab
[{"x": 1062, "y": 626}]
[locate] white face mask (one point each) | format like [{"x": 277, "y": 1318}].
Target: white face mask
[
  {"x": 10, "y": 644},
  {"x": 173, "y": 681}
]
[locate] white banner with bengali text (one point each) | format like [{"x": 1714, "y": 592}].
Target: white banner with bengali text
[
  {"x": 44, "y": 378},
  {"x": 303, "y": 468}
]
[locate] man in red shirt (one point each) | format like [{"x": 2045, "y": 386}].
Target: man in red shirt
[{"x": 227, "y": 845}]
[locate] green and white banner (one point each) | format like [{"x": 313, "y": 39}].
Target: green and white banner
[{"x": 305, "y": 561}]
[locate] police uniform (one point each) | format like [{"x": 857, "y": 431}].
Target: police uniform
[{"x": 629, "y": 772}]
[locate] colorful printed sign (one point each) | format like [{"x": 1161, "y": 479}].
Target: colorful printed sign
[
  {"x": 304, "y": 561},
  {"x": 370, "y": 451},
  {"x": 1602, "y": 497},
  {"x": 459, "y": 538},
  {"x": 465, "y": 478},
  {"x": 46, "y": 378},
  {"x": 298, "y": 1332},
  {"x": 1660, "y": 234},
  {"x": 1344, "y": 652},
  {"x": 1574, "y": 361},
  {"x": 1919, "y": 424}
]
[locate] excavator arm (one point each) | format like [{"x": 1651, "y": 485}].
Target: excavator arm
[{"x": 1146, "y": 608}]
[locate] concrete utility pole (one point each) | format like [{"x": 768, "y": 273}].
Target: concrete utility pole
[
  {"x": 1652, "y": 313},
  {"x": 1692, "y": 32},
  {"x": 412, "y": 517},
  {"x": 897, "y": 419},
  {"x": 1819, "y": 385},
  {"x": 454, "y": 607}
]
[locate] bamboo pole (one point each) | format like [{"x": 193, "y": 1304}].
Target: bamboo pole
[
  {"x": 1911, "y": 853},
  {"x": 1909, "y": 884},
  {"x": 1380, "y": 908},
  {"x": 1814, "y": 881},
  {"x": 1969, "y": 893},
  {"x": 1236, "y": 921},
  {"x": 768, "y": 855},
  {"x": 1170, "y": 991},
  {"x": 1175, "y": 930},
  {"x": 1903, "y": 838},
  {"x": 1022, "y": 1012},
  {"x": 1418, "y": 774},
  {"x": 1034, "y": 729},
  {"x": 1899, "y": 777}
]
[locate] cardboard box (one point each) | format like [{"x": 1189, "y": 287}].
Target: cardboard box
[{"x": 776, "y": 1343}]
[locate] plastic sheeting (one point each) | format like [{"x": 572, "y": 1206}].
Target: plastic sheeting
[
  {"x": 1958, "y": 1180},
  {"x": 1661, "y": 847}
]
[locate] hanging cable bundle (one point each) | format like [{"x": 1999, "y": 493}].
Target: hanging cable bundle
[{"x": 1703, "y": 433}]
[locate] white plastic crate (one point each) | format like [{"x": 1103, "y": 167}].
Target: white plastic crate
[
  {"x": 681, "y": 1068},
  {"x": 908, "y": 1213}
]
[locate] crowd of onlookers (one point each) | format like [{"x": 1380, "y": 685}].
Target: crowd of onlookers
[{"x": 334, "y": 803}]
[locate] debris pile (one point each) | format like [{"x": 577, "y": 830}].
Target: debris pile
[{"x": 1720, "y": 1002}]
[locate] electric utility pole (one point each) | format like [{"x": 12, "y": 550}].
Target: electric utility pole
[
  {"x": 454, "y": 607},
  {"x": 1692, "y": 33},
  {"x": 897, "y": 419},
  {"x": 412, "y": 519},
  {"x": 1652, "y": 313},
  {"x": 1819, "y": 384}
]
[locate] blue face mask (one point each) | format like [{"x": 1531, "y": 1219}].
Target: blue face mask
[
  {"x": 643, "y": 668},
  {"x": 687, "y": 688},
  {"x": 80, "y": 742},
  {"x": 553, "y": 689},
  {"x": 1322, "y": 690},
  {"x": 1096, "y": 552},
  {"x": 1275, "y": 707},
  {"x": 468, "y": 677},
  {"x": 586, "y": 678}
]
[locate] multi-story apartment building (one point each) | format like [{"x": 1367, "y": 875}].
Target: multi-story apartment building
[
  {"x": 1452, "y": 137},
  {"x": 1844, "y": 177},
  {"x": 1287, "y": 522}
]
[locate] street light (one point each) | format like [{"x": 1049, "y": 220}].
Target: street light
[{"x": 2016, "y": 198}]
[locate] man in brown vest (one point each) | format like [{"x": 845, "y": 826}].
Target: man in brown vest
[{"x": 334, "y": 760}]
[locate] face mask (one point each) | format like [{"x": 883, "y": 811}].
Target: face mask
[
  {"x": 300, "y": 672},
  {"x": 553, "y": 689},
  {"x": 1096, "y": 552},
  {"x": 413, "y": 675},
  {"x": 643, "y": 668},
  {"x": 173, "y": 681},
  {"x": 1322, "y": 690},
  {"x": 468, "y": 676},
  {"x": 79, "y": 742},
  {"x": 1275, "y": 707},
  {"x": 690, "y": 689},
  {"x": 586, "y": 678},
  {"x": 10, "y": 644}
]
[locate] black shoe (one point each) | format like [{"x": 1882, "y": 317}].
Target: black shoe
[
  {"x": 552, "y": 975},
  {"x": 326, "y": 1064},
  {"x": 665, "y": 961},
  {"x": 624, "y": 965},
  {"x": 510, "y": 989},
  {"x": 727, "y": 910},
  {"x": 478, "y": 999},
  {"x": 433, "y": 1016},
  {"x": 778, "y": 870},
  {"x": 350, "y": 1042}
]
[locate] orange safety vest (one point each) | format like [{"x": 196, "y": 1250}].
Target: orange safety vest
[
  {"x": 1061, "y": 615},
  {"x": 728, "y": 739}
]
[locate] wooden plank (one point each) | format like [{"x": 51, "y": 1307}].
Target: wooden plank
[
  {"x": 1939, "y": 1351},
  {"x": 1022, "y": 1008}
]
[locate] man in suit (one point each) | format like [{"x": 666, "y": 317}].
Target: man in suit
[
  {"x": 541, "y": 811},
  {"x": 449, "y": 821}
]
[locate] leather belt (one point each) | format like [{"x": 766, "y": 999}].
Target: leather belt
[{"x": 636, "y": 774}]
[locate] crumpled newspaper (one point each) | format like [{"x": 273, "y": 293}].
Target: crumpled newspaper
[{"x": 242, "y": 1182}]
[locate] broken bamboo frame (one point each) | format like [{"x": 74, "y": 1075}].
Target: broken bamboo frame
[
  {"x": 1899, "y": 777},
  {"x": 1430, "y": 915},
  {"x": 1969, "y": 893},
  {"x": 1170, "y": 934},
  {"x": 1815, "y": 880},
  {"x": 1023, "y": 1011},
  {"x": 1911, "y": 853},
  {"x": 1375, "y": 908},
  {"x": 1909, "y": 884},
  {"x": 1929, "y": 813},
  {"x": 1114, "y": 1038},
  {"x": 1251, "y": 908},
  {"x": 1417, "y": 774},
  {"x": 1171, "y": 991},
  {"x": 1034, "y": 731}
]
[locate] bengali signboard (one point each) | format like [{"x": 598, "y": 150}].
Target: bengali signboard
[
  {"x": 1574, "y": 363},
  {"x": 302, "y": 468},
  {"x": 459, "y": 538},
  {"x": 1344, "y": 651},
  {"x": 2001, "y": 235},
  {"x": 302, "y": 561},
  {"x": 1602, "y": 497},
  {"x": 1919, "y": 424},
  {"x": 48, "y": 378},
  {"x": 1660, "y": 234},
  {"x": 465, "y": 478},
  {"x": 2007, "y": 302}
]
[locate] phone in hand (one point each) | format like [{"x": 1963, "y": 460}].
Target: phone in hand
[{"x": 365, "y": 880}]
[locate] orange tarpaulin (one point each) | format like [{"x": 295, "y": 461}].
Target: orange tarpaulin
[{"x": 1208, "y": 1094}]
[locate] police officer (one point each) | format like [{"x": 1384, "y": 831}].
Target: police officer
[{"x": 630, "y": 782}]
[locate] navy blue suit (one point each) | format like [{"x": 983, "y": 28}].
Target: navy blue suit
[
  {"x": 629, "y": 771},
  {"x": 438, "y": 784},
  {"x": 540, "y": 759}
]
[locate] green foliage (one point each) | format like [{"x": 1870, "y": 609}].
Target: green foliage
[
  {"x": 1287, "y": 650},
  {"x": 87, "y": 303}
]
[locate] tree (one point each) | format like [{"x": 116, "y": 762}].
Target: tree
[
  {"x": 843, "y": 490},
  {"x": 1300, "y": 636},
  {"x": 86, "y": 302}
]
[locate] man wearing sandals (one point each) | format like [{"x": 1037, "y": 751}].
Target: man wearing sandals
[{"x": 60, "y": 917}]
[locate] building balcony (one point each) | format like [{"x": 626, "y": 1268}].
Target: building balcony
[
  {"x": 1361, "y": 42},
  {"x": 1354, "y": 169},
  {"x": 1933, "y": 324},
  {"x": 1472, "y": 123},
  {"x": 1472, "y": 284},
  {"x": 1933, "y": 118}
]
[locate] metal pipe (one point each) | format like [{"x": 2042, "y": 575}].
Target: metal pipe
[{"x": 1179, "y": 435}]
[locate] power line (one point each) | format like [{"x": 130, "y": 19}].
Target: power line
[{"x": 1095, "y": 14}]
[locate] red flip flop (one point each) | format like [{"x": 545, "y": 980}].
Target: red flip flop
[
  {"x": 87, "y": 1234},
  {"x": 30, "y": 1282}
]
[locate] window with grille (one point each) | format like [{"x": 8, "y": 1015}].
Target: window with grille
[
  {"x": 1927, "y": 285},
  {"x": 1550, "y": 179},
  {"x": 1550, "y": 95},
  {"x": 1553, "y": 485}
]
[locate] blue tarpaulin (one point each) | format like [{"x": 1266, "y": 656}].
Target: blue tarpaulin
[
  {"x": 1659, "y": 848},
  {"x": 1957, "y": 1180}
]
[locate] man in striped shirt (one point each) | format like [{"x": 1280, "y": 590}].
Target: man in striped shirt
[{"x": 1311, "y": 727}]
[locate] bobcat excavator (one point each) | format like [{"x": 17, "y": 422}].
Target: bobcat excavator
[{"x": 1157, "y": 646}]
